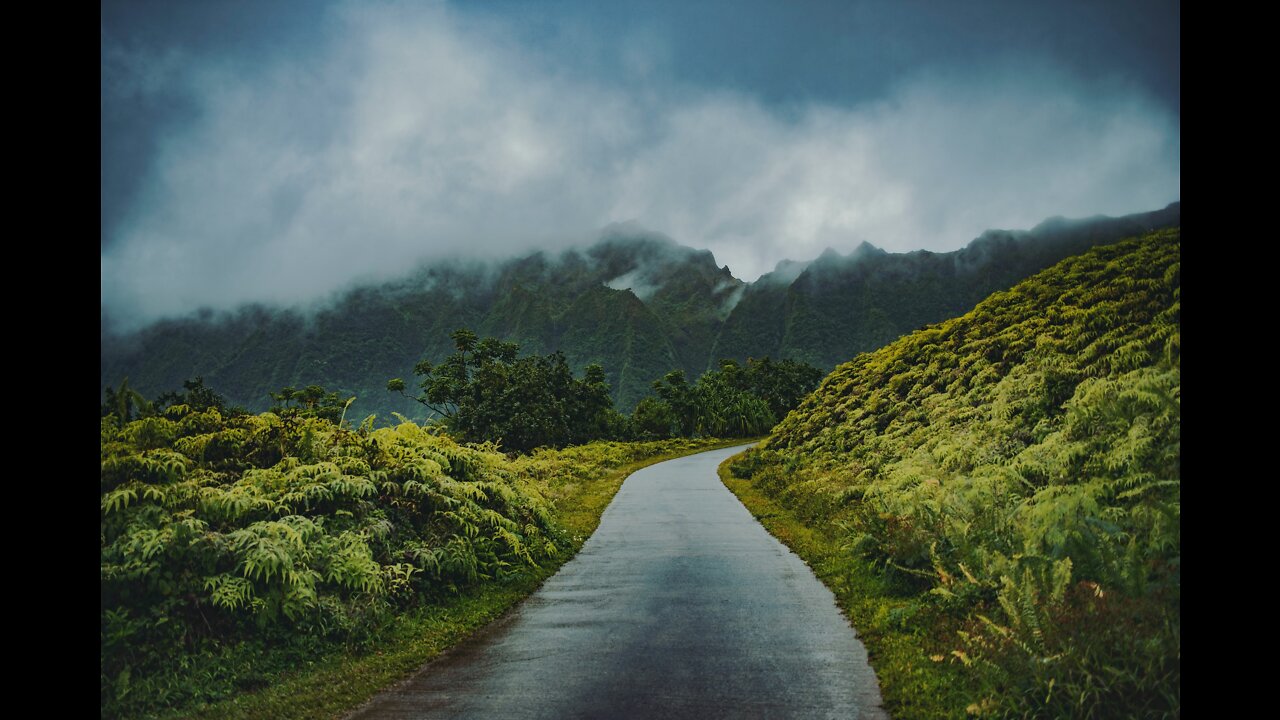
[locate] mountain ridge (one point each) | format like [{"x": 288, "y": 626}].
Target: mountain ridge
[{"x": 637, "y": 302}]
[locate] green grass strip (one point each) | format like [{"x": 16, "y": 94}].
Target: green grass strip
[{"x": 907, "y": 651}]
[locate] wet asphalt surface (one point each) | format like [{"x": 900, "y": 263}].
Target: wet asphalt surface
[{"x": 679, "y": 606}]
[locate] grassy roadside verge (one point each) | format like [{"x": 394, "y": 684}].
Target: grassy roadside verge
[
  {"x": 335, "y": 681},
  {"x": 908, "y": 659}
]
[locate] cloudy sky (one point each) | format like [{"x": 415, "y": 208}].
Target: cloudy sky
[{"x": 279, "y": 151}]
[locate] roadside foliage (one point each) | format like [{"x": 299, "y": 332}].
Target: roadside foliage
[
  {"x": 1016, "y": 472},
  {"x": 221, "y": 533}
]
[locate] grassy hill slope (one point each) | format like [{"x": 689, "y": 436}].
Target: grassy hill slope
[{"x": 1015, "y": 473}]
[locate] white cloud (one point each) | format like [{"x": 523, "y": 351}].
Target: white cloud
[{"x": 423, "y": 134}]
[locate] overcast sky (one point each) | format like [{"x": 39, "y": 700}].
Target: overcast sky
[{"x": 277, "y": 151}]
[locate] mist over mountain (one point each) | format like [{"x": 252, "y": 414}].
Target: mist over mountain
[
  {"x": 635, "y": 301},
  {"x": 840, "y": 305}
]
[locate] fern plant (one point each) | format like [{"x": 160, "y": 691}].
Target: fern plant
[{"x": 1017, "y": 469}]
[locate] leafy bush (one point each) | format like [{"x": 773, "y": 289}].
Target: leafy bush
[
  {"x": 216, "y": 528},
  {"x": 223, "y": 536}
]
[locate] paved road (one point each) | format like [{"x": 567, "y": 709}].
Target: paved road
[{"x": 679, "y": 606}]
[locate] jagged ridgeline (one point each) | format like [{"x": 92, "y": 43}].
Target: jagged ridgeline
[
  {"x": 1018, "y": 470},
  {"x": 636, "y": 302},
  {"x": 826, "y": 311}
]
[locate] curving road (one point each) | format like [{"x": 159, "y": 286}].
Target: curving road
[{"x": 679, "y": 606}]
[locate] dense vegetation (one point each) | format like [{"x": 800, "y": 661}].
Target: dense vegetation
[
  {"x": 637, "y": 304},
  {"x": 732, "y": 401},
  {"x": 127, "y": 404},
  {"x": 488, "y": 392},
  {"x": 227, "y": 536},
  {"x": 224, "y": 532},
  {"x": 1014, "y": 473}
]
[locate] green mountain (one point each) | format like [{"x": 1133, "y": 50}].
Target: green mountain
[
  {"x": 837, "y": 306},
  {"x": 636, "y": 302},
  {"x": 1017, "y": 470}
]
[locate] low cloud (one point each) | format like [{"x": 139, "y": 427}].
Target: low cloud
[
  {"x": 636, "y": 282},
  {"x": 418, "y": 133}
]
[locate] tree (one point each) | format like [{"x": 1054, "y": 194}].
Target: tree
[
  {"x": 732, "y": 401},
  {"x": 124, "y": 402},
  {"x": 198, "y": 397},
  {"x": 312, "y": 401},
  {"x": 654, "y": 419},
  {"x": 487, "y": 391},
  {"x": 727, "y": 407},
  {"x": 781, "y": 384},
  {"x": 676, "y": 392},
  {"x": 590, "y": 408}
]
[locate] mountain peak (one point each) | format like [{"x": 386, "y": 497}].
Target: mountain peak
[
  {"x": 866, "y": 249},
  {"x": 632, "y": 234}
]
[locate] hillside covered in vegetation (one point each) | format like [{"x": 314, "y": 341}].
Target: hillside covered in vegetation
[
  {"x": 1014, "y": 473},
  {"x": 637, "y": 304}
]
